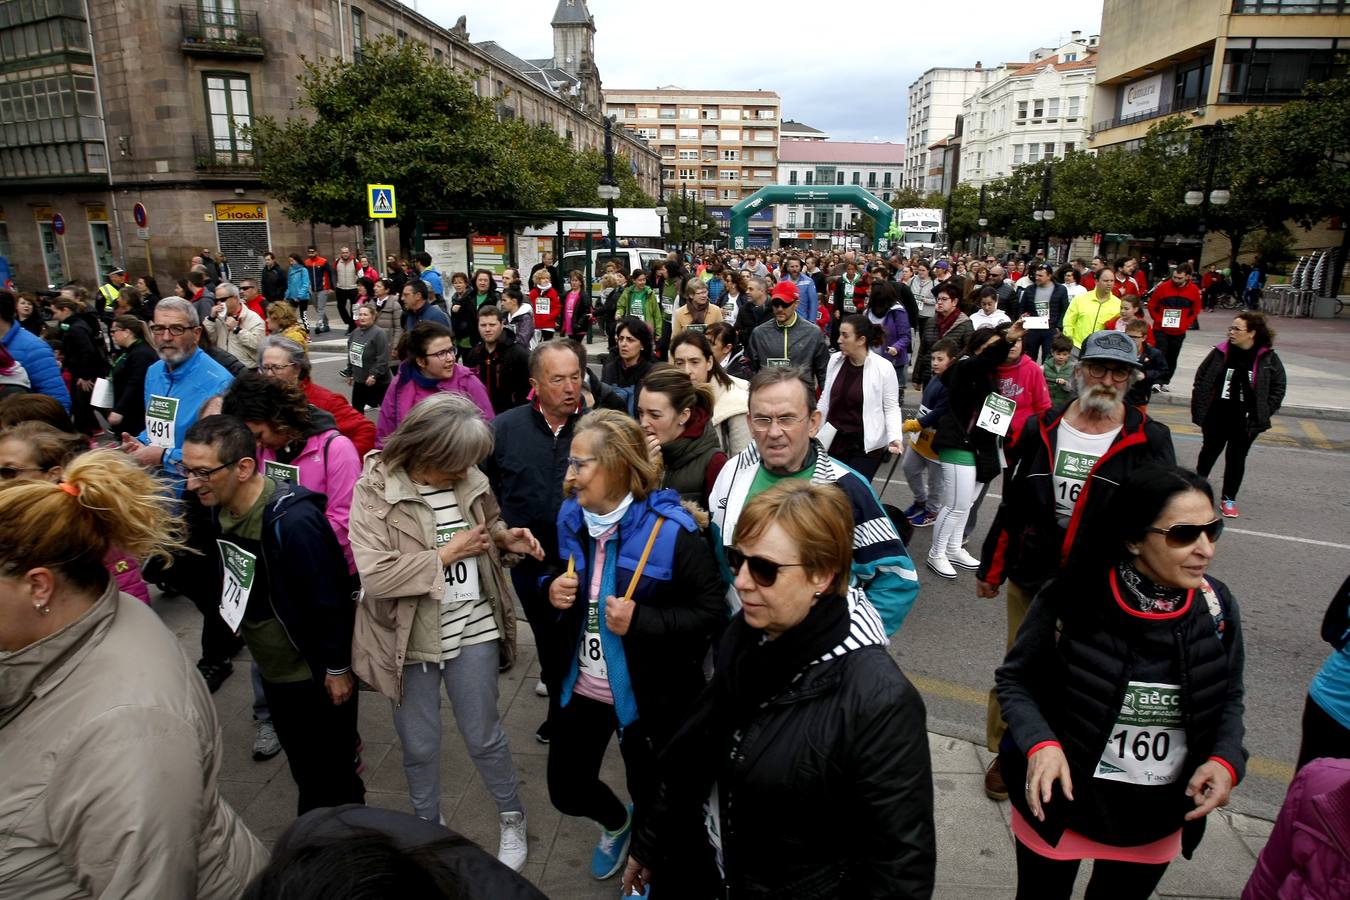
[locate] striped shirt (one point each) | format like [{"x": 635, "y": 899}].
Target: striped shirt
[{"x": 465, "y": 616}]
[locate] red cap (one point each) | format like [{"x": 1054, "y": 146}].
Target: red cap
[{"x": 784, "y": 290}]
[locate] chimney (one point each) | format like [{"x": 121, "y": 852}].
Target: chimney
[
  {"x": 1075, "y": 35},
  {"x": 978, "y": 65}
]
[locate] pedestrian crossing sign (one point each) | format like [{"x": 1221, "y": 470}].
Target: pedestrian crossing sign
[{"x": 380, "y": 201}]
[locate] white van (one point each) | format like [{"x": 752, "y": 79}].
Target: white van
[{"x": 629, "y": 258}]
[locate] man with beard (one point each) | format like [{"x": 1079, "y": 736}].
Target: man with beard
[{"x": 1062, "y": 475}]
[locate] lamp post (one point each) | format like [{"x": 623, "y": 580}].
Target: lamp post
[
  {"x": 684, "y": 234},
  {"x": 661, "y": 212},
  {"x": 1044, "y": 212},
  {"x": 608, "y": 190},
  {"x": 982, "y": 220},
  {"x": 1203, "y": 197}
]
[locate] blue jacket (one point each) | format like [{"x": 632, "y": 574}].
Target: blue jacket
[
  {"x": 429, "y": 312},
  {"x": 808, "y": 301},
  {"x": 194, "y": 382},
  {"x": 32, "y": 352},
  {"x": 434, "y": 281},
  {"x": 297, "y": 282}
]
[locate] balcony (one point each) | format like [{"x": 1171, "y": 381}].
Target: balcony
[
  {"x": 223, "y": 156},
  {"x": 227, "y": 33}
]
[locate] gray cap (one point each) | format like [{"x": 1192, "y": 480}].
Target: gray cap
[{"x": 1110, "y": 346}]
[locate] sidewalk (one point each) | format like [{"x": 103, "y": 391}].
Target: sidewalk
[{"x": 974, "y": 844}]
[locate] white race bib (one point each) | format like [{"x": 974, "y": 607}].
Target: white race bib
[
  {"x": 103, "y": 396},
  {"x": 1227, "y": 391},
  {"x": 354, "y": 353},
  {"x": 1071, "y": 473},
  {"x": 461, "y": 576},
  {"x": 1036, "y": 323},
  {"x": 1171, "y": 318},
  {"x": 160, "y": 414},
  {"x": 280, "y": 471},
  {"x": 1147, "y": 745},
  {"x": 240, "y": 567},
  {"x": 543, "y": 306},
  {"x": 668, "y": 306},
  {"x": 591, "y": 655},
  {"x": 996, "y": 414},
  {"x": 775, "y": 361}
]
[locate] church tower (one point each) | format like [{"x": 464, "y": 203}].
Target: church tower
[{"x": 574, "y": 48}]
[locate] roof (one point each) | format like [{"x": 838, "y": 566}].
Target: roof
[
  {"x": 541, "y": 72},
  {"x": 1089, "y": 61},
  {"x": 941, "y": 143},
  {"x": 841, "y": 152},
  {"x": 679, "y": 91},
  {"x": 791, "y": 125},
  {"x": 572, "y": 12}
]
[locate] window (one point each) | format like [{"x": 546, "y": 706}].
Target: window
[
  {"x": 1038, "y": 108},
  {"x": 401, "y": 36},
  {"x": 1017, "y": 154},
  {"x": 437, "y": 55},
  {"x": 731, "y": 115},
  {"x": 1052, "y": 108},
  {"x": 1050, "y": 150},
  {"x": 228, "y": 113},
  {"x": 792, "y": 176},
  {"x": 731, "y": 155},
  {"x": 731, "y": 134},
  {"x": 1074, "y": 106},
  {"x": 688, "y": 112},
  {"x": 688, "y": 134},
  {"x": 764, "y": 156},
  {"x": 1069, "y": 57},
  {"x": 1191, "y": 88},
  {"x": 792, "y": 218},
  {"x": 711, "y": 193},
  {"x": 688, "y": 154},
  {"x": 1275, "y": 69},
  {"x": 839, "y": 178},
  {"x": 810, "y": 176},
  {"x": 1284, "y": 7},
  {"x": 1021, "y": 110},
  {"x": 709, "y": 135},
  {"x": 871, "y": 179},
  {"x": 886, "y": 179},
  {"x": 1033, "y": 152},
  {"x": 730, "y": 194},
  {"x": 667, "y": 133},
  {"x": 1068, "y": 147},
  {"x": 648, "y": 134},
  {"x": 667, "y": 174},
  {"x": 729, "y": 174},
  {"x": 667, "y": 112},
  {"x": 808, "y": 220},
  {"x": 647, "y": 112},
  {"x": 358, "y": 34},
  {"x": 688, "y": 174},
  {"x": 857, "y": 178},
  {"x": 838, "y": 220}
]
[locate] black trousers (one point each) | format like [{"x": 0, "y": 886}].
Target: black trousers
[
  {"x": 368, "y": 395},
  {"x": 1322, "y": 735},
  {"x": 319, "y": 739},
  {"x": 580, "y": 734},
  {"x": 1036, "y": 344},
  {"x": 1170, "y": 345},
  {"x": 848, "y": 449},
  {"x": 1229, "y": 437},
  {"x": 1040, "y": 878},
  {"x": 346, "y": 299},
  {"x": 197, "y": 577}
]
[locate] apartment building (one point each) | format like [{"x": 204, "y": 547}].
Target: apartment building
[
  {"x": 1035, "y": 110},
  {"x": 800, "y": 131},
  {"x": 878, "y": 167},
  {"x": 719, "y": 146},
  {"x": 105, "y": 104},
  {"x": 935, "y": 99}
]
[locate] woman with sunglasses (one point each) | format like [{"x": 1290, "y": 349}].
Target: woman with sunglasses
[
  {"x": 430, "y": 368},
  {"x": 1123, "y": 695},
  {"x": 810, "y": 740},
  {"x": 637, "y": 609}
]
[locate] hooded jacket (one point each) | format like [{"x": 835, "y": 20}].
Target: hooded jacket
[
  {"x": 389, "y": 317},
  {"x": 412, "y": 387},
  {"x": 729, "y": 414},
  {"x": 38, "y": 360},
  {"x": 693, "y": 460},
  {"x": 328, "y": 465},
  {"x": 1307, "y": 856},
  {"x": 393, "y": 533},
  {"x": 273, "y": 283},
  {"x": 1266, "y": 377},
  {"x": 801, "y": 342},
  {"x": 82, "y": 346},
  {"x": 297, "y": 283},
  {"x": 109, "y": 754}
]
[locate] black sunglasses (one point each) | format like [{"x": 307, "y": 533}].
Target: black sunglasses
[
  {"x": 1186, "y": 535},
  {"x": 781, "y": 304},
  {"x": 9, "y": 473},
  {"x": 764, "y": 571}
]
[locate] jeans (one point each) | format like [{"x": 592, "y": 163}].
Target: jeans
[
  {"x": 470, "y": 681},
  {"x": 319, "y": 739},
  {"x": 958, "y": 493},
  {"x": 914, "y": 466},
  {"x": 346, "y": 300},
  {"x": 1036, "y": 343},
  {"x": 260, "y": 711},
  {"x": 580, "y": 735},
  {"x": 1232, "y": 440}
]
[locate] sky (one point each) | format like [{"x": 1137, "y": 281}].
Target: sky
[{"x": 842, "y": 66}]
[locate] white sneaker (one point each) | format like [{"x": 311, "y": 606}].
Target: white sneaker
[
  {"x": 941, "y": 565},
  {"x": 540, "y": 689},
  {"x": 960, "y": 557},
  {"x": 513, "y": 849}
]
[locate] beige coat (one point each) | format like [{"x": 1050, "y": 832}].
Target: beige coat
[
  {"x": 242, "y": 341},
  {"x": 392, "y": 533},
  {"x": 109, "y": 752}
]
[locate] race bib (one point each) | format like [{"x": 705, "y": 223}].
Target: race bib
[
  {"x": 591, "y": 656},
  {"x": 696, "y": 329},
  {"x": 1147, "y": 745},
  {"x": 1042, "y": 307},
  {"x": 1171, "y": 318},
  {"x": 849, "y": 305},
  {"x": 1227, "y": 391},
  {"x": 280, "y": 471},
  {"x": 1036, "y": 323},
  {"x": 544, "y": 305},
  {"x": 160, "y": 414},
  {"x": 778, "y": 361},
  {"x": 996, "y": 414},
  {"x": 354, "y": 353},
  {"x": 103, "y": 396},
  {"x": 240, "y": 567},
  {"x": 668, "y": 306},
  {"x": 461, "y": 576},
  {"x": 1071, "y": 473}
]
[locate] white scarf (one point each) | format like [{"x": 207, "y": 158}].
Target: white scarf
[{"x": 597, "y": 524}]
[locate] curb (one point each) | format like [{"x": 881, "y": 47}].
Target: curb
[{"x": 1325, "y": 413}]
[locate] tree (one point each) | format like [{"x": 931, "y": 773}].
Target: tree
[
  {"x": 965, "y": 218},
  {"x": 701, "y": 227}
]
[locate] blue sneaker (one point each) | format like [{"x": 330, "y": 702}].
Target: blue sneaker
[
  {"x": 612, "y": 851},
  {"x": 909, "y": 510}
]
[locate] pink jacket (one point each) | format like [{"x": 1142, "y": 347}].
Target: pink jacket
[
  {"x": 411, "y": 387},
  {"x": 1308, "y": 854},
  {"x": 328, "y": 465},
  {"x": 127, "y": 571},
  {"x": 1023, "y": 382}
]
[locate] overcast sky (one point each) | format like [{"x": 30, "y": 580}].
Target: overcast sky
[{"x": 843, "y": 66}]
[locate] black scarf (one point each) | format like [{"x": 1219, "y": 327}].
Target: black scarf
[{"x": 1146, "y": 595}]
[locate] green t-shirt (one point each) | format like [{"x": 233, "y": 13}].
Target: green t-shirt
[{"x": 764, "y": 479}]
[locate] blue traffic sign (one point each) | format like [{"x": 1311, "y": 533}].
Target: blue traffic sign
[
  {"x": 380, "y": 201},
  {"x": 59, "y": 224}
]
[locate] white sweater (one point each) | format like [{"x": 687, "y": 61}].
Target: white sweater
[{"x": 882, "y": 418}]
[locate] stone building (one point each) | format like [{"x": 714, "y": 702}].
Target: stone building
[{"x": 106, "y": 104}]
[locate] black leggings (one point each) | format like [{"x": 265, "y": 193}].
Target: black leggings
[
  {"x": 1322, "y": 735},
  {"x": 1041, "y": 878},
  {"x": 1231, "y": 439},
  {"x": 580, "y": 733}
]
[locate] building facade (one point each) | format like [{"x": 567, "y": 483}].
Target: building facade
[
  {"x": 1037, "y": 110},
  {"x": 800, "y": 131},
  {"x": 935, "y": 99},
  {"x": 106, "y": 105},
  {"x": 718, "y": 146},
  {"x": 875, "y": 167}
]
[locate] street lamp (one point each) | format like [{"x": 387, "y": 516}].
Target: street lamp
[
  {"x": 608, "y": 190},
  {"x": 1044, "y": 212},
  {"x": 1203, "y": 197},
  {"x": 982, "y": 220},
  {"x": 661, "y": 211},
  {"x": 684, "y": 233}
]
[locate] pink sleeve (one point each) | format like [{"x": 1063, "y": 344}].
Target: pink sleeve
[
  {"x": 127, "y": 571},
  {"x": 386, "y": 424},
  {"x": 344, "y": 468}
]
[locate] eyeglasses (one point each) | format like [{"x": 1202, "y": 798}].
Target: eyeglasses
[
  {"x": 175, "y": 330},
  {"x": 576, "y": 462},
  {"x": 1185, "y": 535},
  {"x": 764, "y": 423},
  {"x": 9, "y": 473},
  {"x": 1097, "y": 370},
  {"x": 763, "y": 571},
  {"x": 199, "y": 474},
  {"x": 1233, "y": 329},
  {"x": 275, "y": 368},
  {"x": 781, "y": 304},
  {"x": 447, "y": 353}
]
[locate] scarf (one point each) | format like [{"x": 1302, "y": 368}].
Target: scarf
[
  {"x": 598, "y": 523},
  {"x": 1147, "y": 596},
  {"x": 696, "y": 313},
  {"x": 408, "y": 371},
  {"x": 945, "y": 324}
]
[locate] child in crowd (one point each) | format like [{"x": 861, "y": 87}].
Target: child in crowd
[
  {"x": 1058, "y": 371},
  {"x": 1131, "y": 310},
  {"x": 989, "y": 315},
  {"x": 520, "y": 317},
  {"x": 1155, "y": 365},
  {"x": 545, "y": 304},
  {"x": 923, "y": 458}
]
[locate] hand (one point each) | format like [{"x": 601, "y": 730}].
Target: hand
[
  {"x": 455, "y": 308},
  {"x": 84, "y": 384},
  {"x": 339, "y": 687},
  {"x": 1210, "y": 786},
  {"x": 654, "y": 449},
  {"x": 918, "y": 385},
  {"x": 897, "y": 447},
  {"x": 146, "y": 455},
  {"x": 562, "y": 593},
  {"x": 892, "y": 351},
  {"x": 1015, "y": 332},
  {"x": 985, "y": 590},
  {"x": 1060, "y": 381},
  {"x": 911, "y": 426},
  {"x": 520, "y": 540},
  {"x": 1047, "y": 765},
  {"x": 636, "y": 878},
  {"x": 370, "y": 381},
  {"x": 349, "y": 381},
  {"x": 217, "y": 310},
  {"x": 464, "y": 545},
  {"x": 618, "y": 615},
  {"x": 114, "y": 419}
]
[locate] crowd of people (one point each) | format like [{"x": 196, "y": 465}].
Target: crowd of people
[{"x": 691, "y": 531}]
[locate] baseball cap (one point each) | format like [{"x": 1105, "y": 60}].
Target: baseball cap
[
  {"x": 786, "y": 291},
  {"x": 941, "y": 264},
  {"x": 118, "y": 271},
  {"x": 1110, "y": 346}
]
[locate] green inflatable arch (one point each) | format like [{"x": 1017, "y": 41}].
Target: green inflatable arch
[{"x": 776, "y": 194}]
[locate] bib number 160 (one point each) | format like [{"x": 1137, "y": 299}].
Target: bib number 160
[{"x": 1144, "y": 746}]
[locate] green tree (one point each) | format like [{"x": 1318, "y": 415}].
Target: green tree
[
  {"x": 701, "y": 227},
  {"x": 965, "y": 218}
]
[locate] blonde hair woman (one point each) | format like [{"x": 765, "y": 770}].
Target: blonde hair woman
[{"x": 283, "y": 320}]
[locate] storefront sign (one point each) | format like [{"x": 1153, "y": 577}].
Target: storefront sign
[
  {"x": 241, "y": 212},
  {"x": 96, "y": 213},
  {"x": 1142, "y": 96}
]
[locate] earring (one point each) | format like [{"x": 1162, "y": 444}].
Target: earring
[{"x": 45, "y": 608}]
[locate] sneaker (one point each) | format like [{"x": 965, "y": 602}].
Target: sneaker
[
  {"x": 994, "y": 788},
  {"x": 1157, "y": 389},
  {"x": 513, "y": 850},
  {"x": 923, "y": 519},
  {"x": 543, "y": 732},
  {"x": 1229, "y": 509},
  {"x": 540, "y": 689},
  {"x": 915, "y": 507},
  {"x": 1165, "y": 389},
  {"x": 265, "y": 742},
  {"x": 344, "y": 373},
  {"x": 612, "y": 851},
  {"x": 215, "y": 673},
  {"x": 941, "y": 565},
  {"x": 963, "y": 559}
]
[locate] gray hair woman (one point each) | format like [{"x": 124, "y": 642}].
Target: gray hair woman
[{"x": 438, "y": 606}]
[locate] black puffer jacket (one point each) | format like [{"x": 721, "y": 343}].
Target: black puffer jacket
[{"x": 1267, "y": 380}]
